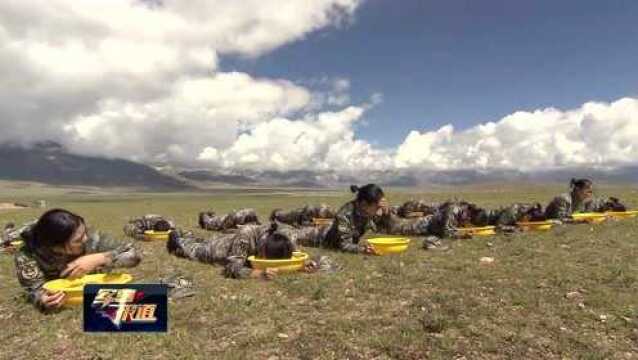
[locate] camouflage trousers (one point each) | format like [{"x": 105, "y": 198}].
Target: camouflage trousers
[{"x": 393, "y": 225}]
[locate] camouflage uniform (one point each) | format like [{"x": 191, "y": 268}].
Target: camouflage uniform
[
  {"x": 35, "y": 266},
  {"x": 136, "y": 227},
  {"x": 11, "y": 233},
  {"x": 413, "y": 206},
  {"x": 394, "y": 225},
  {"x": 564, "y": 205},
  {"x": 349, "y": 225},
  {"x": 232, "y": 250},
  {"x": 447, "y": 218},
  {"x": 302, "y": 216},
  {"x": 209, "y": 221}
]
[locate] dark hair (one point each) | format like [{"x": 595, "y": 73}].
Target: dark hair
[
  {"x": 370, "y": 193},
  {"x": 162, "y": 225},
  {"x": 277, "y": 245},
  {"x": 55, "y": 227},
  {"x": 580, "y": 183}
]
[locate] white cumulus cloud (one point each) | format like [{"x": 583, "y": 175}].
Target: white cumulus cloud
[{"x": 596, "y": 134}]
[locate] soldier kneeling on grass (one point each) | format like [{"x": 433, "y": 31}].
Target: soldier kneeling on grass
[
  {"x": 208, "y": 220},
  {"x": 135, "y": 228},
  {"x": 302, "y": 216},
  {"x": 269, "y": 241}
]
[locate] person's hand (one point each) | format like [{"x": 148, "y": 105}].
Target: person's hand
[
  {"x": 384, "y": 208},
  {"x": 85, "y": 264},
  {"x": 311, "y": 266},
  {"x": 53, "y": 300},
  {"x": 266, "y": 274},
  {"x": 369, "y": 250}
]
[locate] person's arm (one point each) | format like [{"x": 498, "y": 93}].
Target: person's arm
[
  {"x": 346, "y": 235},
  {"x": 118, "y": 254},
  {"x": 449, "y": 222},
  {"x": 237, "y": 266},
  {"x": 31, "y": 277},
  {"x": 559, "y": 209}
]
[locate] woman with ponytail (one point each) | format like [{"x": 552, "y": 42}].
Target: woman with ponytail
[
  {"x": 351, "y": 222},
  {"x": 268, "y": 241},
  {"x": 59, "y": 245},
  {"x": 580, "y": 199}
]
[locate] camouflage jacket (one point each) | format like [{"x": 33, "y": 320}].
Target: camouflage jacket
[
  {"x": 349, "y": 226},
  {"x": 302, "y": 216},
  {"x": 210, "y": 221},
  {"x": 232, "y": 250},
  {"x": 564, "y": 205},
  {"x": 412, "y": 206},
  {"x": 517, "y": 212},
  {"x": 136, "y": 227},
  {"x": 392, "y": 224},
  {"x": 35, "y": 266}
]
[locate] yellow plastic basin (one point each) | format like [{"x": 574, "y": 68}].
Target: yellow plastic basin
[
  {"x": 385, "y": 246},
  {"x": 295, "y": 263},
  {"x": 74, "y": 288},
  {"x": 535, "y": 225},
  {"x": 622, "y": 214},
  {"x": 152, "y": 235},
  {"x": 592, "y": 218},
  {"x": 321, "y": 221},
  {"x": 415, "y": 214},
  {"x": 477, "y": 231}
]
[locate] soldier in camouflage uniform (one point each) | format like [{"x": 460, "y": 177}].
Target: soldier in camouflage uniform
[
  {"x": 50, "y": 253},
  {"x": 232, "y": 250},
  {"x": 11, "y": 233},
  {"x": 302, "y": 216},
  {"x": 351, "y": 222},
  {"x": 416, "y": 206},
  {"x": 208, "y": 220},
  {"x": 580, "y": 199},
  {"x": 136, "y": 227},
  {"x": 456, "y": 214}
]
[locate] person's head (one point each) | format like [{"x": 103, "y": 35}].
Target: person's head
[
  {"x": 536, "y": 213},
  {"x": 369, "y": 198},
  {"x": 582, "y": 189},
  {"x": 60, "y": 230},
  {"x": 477, "y": 215},
  {"x": 162, "y": 225},
  {"x": 325, "y": 211},
  {"x": 277, "y": 245}
]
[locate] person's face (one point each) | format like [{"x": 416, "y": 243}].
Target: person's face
[
  {"x": 75, "y": 245},
  {"x": 585, "y": 194},
  {"x": 372, "y": 209}
]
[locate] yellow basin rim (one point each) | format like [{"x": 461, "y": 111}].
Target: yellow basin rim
[
  {"x": 296, "y": 263},
  {"x": 535, "y": 225},
  {"x": 151, "y": 235},
  {"x": 622, "y": 214},
  {"x": 594, "y": 218},
  {"x": 478, "y": 231},
  {"x": 389, "y": 245},
  {"x": 74, "y": 288}
]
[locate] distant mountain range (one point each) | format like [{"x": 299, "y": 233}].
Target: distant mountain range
[{"x": 49, "y": 163}]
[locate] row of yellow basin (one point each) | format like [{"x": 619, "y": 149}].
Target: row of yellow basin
[{"x": 383, "y": 246}]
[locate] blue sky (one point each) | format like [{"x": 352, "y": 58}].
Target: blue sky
[{"x": 466, "y": 62}]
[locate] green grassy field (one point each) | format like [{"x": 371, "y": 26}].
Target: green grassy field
[{"x": 421, "y": 304}]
